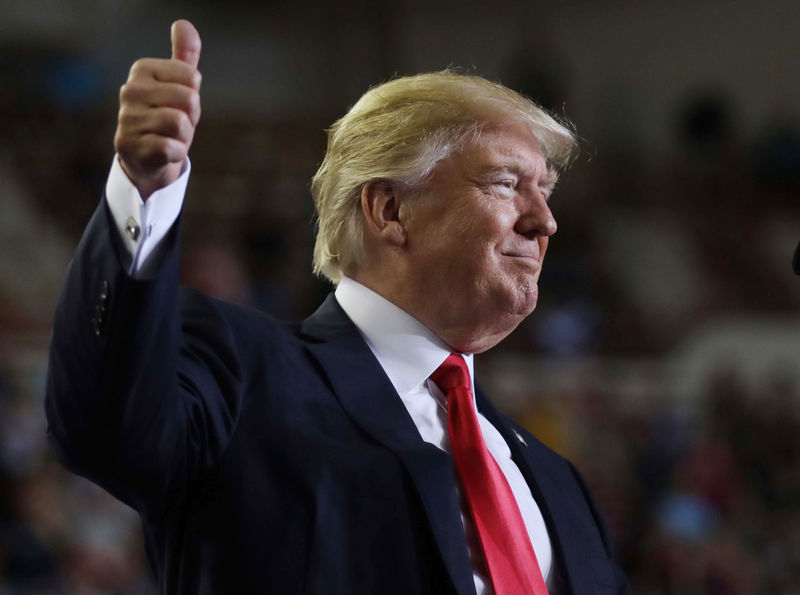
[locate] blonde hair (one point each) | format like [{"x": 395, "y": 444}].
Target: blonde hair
[{"x": 399, "y": 131}]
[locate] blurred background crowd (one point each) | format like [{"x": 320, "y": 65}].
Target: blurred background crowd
[{"x": 664, "y": 357}]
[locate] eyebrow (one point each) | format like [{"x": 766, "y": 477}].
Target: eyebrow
[{"x": 549, "y": 179}]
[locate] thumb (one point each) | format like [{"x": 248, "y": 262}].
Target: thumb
[{"x": 185, "y": 42}]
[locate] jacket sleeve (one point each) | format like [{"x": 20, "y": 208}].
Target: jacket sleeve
[{"x": 143, "y": 393}]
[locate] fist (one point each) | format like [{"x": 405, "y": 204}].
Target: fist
[{"x": 159, "y": 108}]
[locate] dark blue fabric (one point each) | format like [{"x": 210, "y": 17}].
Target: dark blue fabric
[{"x": 266, "y": 457}]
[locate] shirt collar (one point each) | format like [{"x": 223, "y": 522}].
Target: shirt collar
[{"x": 408, "y": 351}]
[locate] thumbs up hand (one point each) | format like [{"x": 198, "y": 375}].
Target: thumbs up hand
[{"x": 159, "y": 108}]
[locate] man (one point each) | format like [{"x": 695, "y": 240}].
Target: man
[{"x": 316, "y": 457}]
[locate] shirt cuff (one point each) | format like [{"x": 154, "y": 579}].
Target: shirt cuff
[{"x": 142, "y": 225}]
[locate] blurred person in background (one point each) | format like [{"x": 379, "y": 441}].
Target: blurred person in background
[{"x": 351, "y": 452}]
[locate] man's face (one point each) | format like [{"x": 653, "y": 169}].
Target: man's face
[{"x": 477, "y": 237}]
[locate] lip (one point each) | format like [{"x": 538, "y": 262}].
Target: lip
[
  {"x": 534, "y": 257},
  {"x": 529, "y": 259}
]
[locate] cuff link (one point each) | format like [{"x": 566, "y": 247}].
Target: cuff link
[{"x": 132, "y": 228}]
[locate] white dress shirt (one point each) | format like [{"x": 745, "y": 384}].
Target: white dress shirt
[
  {"x": 143, "y": 224},
  {"x": 407, "y": 351}
]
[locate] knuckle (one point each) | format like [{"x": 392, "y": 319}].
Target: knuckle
[
  {"x": 155, "y": 153},
  {"x": 124, "y": 144},
  {"x": 193, "y": 100},
  {"x": 126, "y": 91},
  {"x": 159, "y": 146},
  {"x": 182, "y": 123},
  {"x": 193, "y": 105},
  {"x": 172, "y": 123},
  {"x": 125, "y": 115},
  {"x": 137, "y": 68}
]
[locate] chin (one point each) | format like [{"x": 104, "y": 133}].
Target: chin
[{"x": 527, "y": 298}]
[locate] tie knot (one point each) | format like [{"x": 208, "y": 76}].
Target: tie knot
[{"x": 453, "y": 373}]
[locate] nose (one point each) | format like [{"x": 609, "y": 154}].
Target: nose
[{"x": 536, "y": 219}]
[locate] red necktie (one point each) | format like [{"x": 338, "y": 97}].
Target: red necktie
[{"x": 508, "y": 552}]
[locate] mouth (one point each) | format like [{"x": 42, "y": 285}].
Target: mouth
[
  {"x": 528, "y": 260},
  {"x": 522, "y": 256}
]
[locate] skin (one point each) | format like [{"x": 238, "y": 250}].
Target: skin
[
  {"x": 159, "y": 111},
  {"x": 464, "y": 256}
]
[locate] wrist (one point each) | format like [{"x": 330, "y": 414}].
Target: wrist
[{"x": 151, "y": 182}]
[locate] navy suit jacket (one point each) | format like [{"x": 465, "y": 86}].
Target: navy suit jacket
[{"x": 266, "y": 457}]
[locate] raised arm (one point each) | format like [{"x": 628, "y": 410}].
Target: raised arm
[{"x": 143, "y": 391}]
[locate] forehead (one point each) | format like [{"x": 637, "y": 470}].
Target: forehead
[{"x": 511, "y": 146}]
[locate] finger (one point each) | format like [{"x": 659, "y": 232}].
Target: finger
[
  {"x": 149, "y": 151},
  {"x": 154, "y": 151},
  {"x": 149, "y": 93},
  {"x": 163, "y": 121},
  {"x": 167, "y": 71},
  {"x": 185, "y": 42}
]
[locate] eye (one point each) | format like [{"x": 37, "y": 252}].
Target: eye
[{"x": 505, "y": 184}]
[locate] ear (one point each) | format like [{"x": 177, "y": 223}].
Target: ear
[{"x": 381, "y": 207}]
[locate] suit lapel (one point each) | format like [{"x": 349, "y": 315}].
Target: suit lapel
[
  {"x": 370, "y": 400},
  {"x": 566, "y": 533}
]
